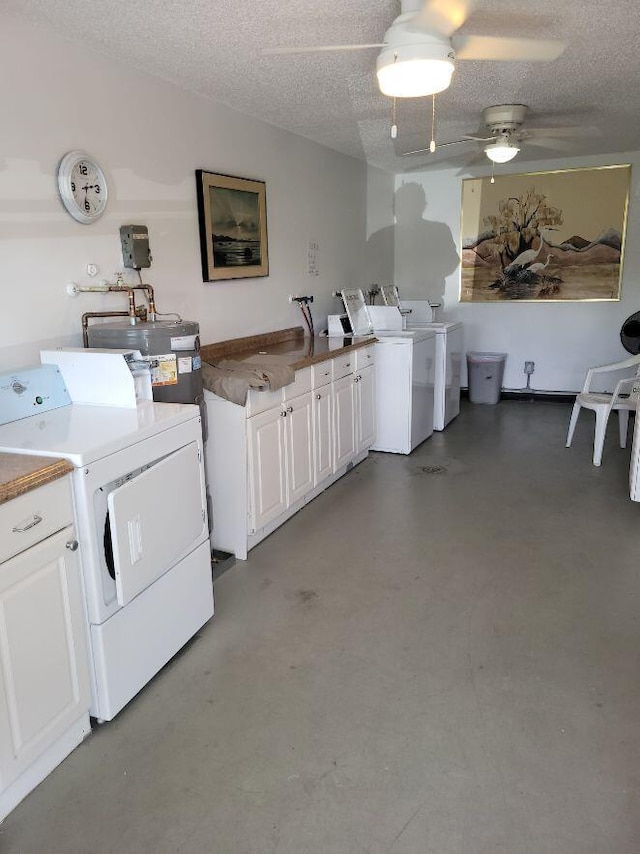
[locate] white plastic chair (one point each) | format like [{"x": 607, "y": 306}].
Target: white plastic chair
[{"x": 623, "y": 399}]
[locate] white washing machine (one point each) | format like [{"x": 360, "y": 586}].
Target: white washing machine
[
  {"x": 449, "y": 355},
  {"x": 405, "y": 379},
  {"x": 141, "y": 521}
]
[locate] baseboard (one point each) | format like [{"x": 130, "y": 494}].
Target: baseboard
[{"x": 531, "y": 395}]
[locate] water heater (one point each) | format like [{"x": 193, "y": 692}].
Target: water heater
[{"x": 172, "y": 348}]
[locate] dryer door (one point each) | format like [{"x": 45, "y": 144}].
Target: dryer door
[{"x": 155, "y": 519}]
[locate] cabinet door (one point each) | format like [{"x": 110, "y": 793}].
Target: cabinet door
[
  {"x": 322, "y": 435},
  {"x": 365, "y": 408},
  {"x": 44, "y": 675},
  {"x": 267, "y": 485},
  {"x": 344, "y": 434},
  {"x": 298, "y": 428}
]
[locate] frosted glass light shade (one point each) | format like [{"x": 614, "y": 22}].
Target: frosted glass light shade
[
  {"x": 501, "y": 152},
  {"x": 413, "y": 77}
]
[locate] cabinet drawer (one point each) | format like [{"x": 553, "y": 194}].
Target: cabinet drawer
[
  {"x": 34, "y": 516},
  {"x": 300, "y": 385},
  {"x": 364, "y": 357},
  {"x": 260, "y": 401},
  {"x": 321, "y": 374},
  {"x": 343, "y": 365}
]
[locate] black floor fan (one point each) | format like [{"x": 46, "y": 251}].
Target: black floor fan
[{"x": 630, "y": 334}]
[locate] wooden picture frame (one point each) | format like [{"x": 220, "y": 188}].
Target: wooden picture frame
[
  {"x": 232, "y": 216},
  {"x": 544, "y": 236}
]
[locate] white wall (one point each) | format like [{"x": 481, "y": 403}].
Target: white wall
[
  {"x": 380, "y": 227},
  {"x": 149, "y": 136},
  {"x": 563, "y": 339}
]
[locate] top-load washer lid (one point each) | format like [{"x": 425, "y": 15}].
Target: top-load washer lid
[
  {"x": 83, "y": 434},
  {"x": 405, "y": 336},
  {"x": 440, "y": 326},
  {"x": 356, "y": 308}
]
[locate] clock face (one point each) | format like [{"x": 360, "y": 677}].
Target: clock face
[{"x": 82, "y": 186}]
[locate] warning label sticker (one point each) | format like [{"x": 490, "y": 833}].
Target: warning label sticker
[
  {"x": 184, "y": 364},
  {"x": 164, "y": 369}
]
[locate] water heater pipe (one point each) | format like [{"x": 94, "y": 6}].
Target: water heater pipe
[
  {"x": 119, "y": 287},
  {"x": 140, "y": 314}
]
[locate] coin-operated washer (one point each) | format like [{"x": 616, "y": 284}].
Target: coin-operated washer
[
  {"x": 139, "y": 506},
  {"x": 405, "y": 374},
  {"x": 420, "y": 314}
]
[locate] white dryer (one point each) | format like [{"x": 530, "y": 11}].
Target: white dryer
[{"x": 141, "y": 518}]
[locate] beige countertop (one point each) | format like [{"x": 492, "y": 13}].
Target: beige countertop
[
  {"x": 287, "y": 347},
  {"x": 20, "y": 473}
]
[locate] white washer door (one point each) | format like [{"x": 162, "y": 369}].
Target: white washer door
[{"x": 154, "y": 519}]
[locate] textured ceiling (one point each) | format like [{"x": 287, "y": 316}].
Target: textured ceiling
[{"x": 213, "y": 47}]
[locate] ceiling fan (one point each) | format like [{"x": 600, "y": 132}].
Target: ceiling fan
[
  {"x": 420, "y": 48},
  {"x": 504, "y": 124}
]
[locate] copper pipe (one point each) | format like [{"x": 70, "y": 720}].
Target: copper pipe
[
  {"x": 148, "y": 289},
  {"x": 140, "y": 313},
  {"x": 128, "y": 289},
  {"x": 152, "y": 301}
]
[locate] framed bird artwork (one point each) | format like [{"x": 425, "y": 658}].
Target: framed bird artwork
[{"x": 544, "y": 236}]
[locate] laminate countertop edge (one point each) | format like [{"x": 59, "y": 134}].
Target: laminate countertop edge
[
  {"x": 287, "y": 347},
  {"x": 20, "y": 473}
]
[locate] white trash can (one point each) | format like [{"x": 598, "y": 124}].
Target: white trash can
[{"x": 485, "y": 372}]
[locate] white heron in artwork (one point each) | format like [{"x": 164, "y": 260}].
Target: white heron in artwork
[
  {"x": 539, "y": 266},
  {"x": 524, "y": 258}
]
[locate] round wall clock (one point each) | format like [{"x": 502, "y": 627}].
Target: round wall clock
[{"x": 82, "y": 186}]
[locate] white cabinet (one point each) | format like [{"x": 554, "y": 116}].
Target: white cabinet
[
  {"x": 281, "y": 459},
  {"x": 44, "y": 674},
  {"x": 322, "y": 434},
  {"x": 365, "y": 384},
  {"x": 344, "y": 421},
  {"x": 267, "y": 475},
  {"x": 267, "y": 459},
  {"x": 298, "y": 428}
]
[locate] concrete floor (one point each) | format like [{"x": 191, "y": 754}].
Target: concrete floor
[{"x": 441, "y": 654}]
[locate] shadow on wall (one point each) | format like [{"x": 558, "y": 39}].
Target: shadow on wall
[{"x": 416, "y": 254}]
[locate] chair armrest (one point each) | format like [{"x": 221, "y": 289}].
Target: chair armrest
[
  {"x": 626, "y": 364},
  {"x": 623, "y": 391}
]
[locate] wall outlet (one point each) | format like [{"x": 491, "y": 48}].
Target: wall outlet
[{"x": 529, "y": 367}]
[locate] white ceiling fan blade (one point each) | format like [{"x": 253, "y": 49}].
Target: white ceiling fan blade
[
  {"x": 572, "y": 130},
  {"x": 478, "y": 159},
  {"x": 443, "y": 16},
  {"x": 552, "y": 144},
  {"x": 324, "y": 48},
  {"x": 513, "y": 50}
]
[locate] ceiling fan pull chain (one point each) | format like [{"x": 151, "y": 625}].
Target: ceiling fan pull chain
[
  {"x": 394, "y": 125},
  {"x": 432, "y": 144},
  {"x": 493, "y": 166}
]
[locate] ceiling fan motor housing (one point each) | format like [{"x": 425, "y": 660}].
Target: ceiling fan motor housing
[{"x": 505, "y": 118}]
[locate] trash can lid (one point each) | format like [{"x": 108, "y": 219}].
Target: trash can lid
[{"x": 474, "y": 356}]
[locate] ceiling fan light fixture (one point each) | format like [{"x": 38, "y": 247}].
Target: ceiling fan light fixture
[
  {"x": 501, "y": 152},
  {"x": 413, "y": 71}
]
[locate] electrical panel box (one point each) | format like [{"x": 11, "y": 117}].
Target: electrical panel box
[{"x": 135, "y": 246}]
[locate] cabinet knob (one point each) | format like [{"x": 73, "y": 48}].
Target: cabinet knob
[
  {"x": 72, "y": 545},
  {"x": 283, "y": 413},
  {"x": 289, "y": 408},
  {"x": 318, "y": 396}
]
